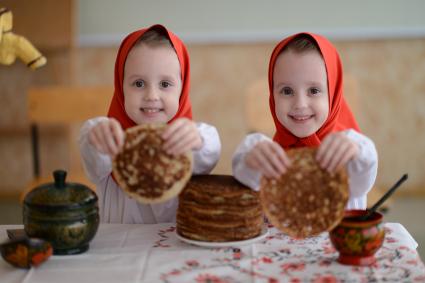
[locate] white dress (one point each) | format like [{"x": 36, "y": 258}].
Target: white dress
[
  {"x": 362, "y": 170},
  {"x": 114, "y": 205}
]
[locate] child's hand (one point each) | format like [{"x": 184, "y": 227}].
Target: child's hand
[
  {"x": 335, "y": 151},
  {"x": 107, "y": 137},
  {"x": 181, "y": 136},
  {"x": 268, "y": 158}
]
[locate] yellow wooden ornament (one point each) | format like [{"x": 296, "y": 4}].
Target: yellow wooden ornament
[{"x": 14, "y": 46}]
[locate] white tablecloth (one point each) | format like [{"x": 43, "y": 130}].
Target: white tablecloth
[{"x": 152, "y": 253}]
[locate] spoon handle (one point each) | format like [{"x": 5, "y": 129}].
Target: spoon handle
[{"x": 384, "y": 197}]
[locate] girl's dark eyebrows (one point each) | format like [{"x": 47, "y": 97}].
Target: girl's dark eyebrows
[
  {"x": 133, "y": 76},
  {"x": 318, "y": 83},
  {"x": 169, "y": 77},
  {"x": 282, "y": 84}
]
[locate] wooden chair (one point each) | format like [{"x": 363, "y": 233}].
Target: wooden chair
[
  {"x": 259, "y": 119},
  {"x": 62, "y": 109}
]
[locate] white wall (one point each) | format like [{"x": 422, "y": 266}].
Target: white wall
[{"x": 104, "y": 22}]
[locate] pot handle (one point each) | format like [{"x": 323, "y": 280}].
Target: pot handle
[{"x": 59, "y": 176}]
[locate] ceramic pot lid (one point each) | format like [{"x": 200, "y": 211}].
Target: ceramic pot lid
[{"x": 60, "y": 194}]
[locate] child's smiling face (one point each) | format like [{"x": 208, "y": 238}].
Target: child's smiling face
[
  {"x": 300, "y": 91},
  {"x": 152, "y": 84}
]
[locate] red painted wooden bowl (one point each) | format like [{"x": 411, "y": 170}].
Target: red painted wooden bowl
[
  {"x": 358, "y": 240},
  {"x": 26, "y": 252}
]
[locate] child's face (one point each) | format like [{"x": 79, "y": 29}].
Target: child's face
[
  {"x": 152, "y": 84},
  {"x": 300, "y": 92}
]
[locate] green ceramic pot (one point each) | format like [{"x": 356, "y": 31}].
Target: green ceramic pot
[{"x": 65, "y": 214}]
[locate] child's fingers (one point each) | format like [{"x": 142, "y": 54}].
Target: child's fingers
[
  {"x": 94, "y": 140},
  {"x": 266, "y": 166},
  {"x": 177, "y": 138},
  {"x": 117, "y": 132},
  {"x": 347, "y": 156},
  {"x": 186, "y": 138},
  {"x": 184, "y": 147},
  {"x": 263, "y": 166},
  {"x": 108, "y": 139},
  {"x": 323, "y": 147},
  {"x": 280, "y": 153},
  {"x": 173, "y": 128},
  {"x": 271, "y": 155},
  {"x": 99, "y": 141},
  {"x": 176, "y": 133},
  {"x": 337, "y": 156},
  {"x": 253, "y": 162},
  {"x": 183, "y": 144},
  {"x": 327, "y": 150}
]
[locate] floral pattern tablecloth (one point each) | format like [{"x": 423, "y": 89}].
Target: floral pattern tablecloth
[{"x": 152, "y": 253}]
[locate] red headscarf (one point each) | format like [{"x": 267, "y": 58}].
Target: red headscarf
[
  {"x": 116, "y": 109},
  {"x": 340, "y": 116}
]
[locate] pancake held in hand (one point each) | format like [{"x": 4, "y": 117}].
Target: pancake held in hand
[
  {"x": 145, "y": 171},
  {"x": 306, "y": 200},
  {"x": 217, "y": 208}
]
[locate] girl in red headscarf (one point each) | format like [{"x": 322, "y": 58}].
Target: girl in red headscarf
[
  {"x": 151, "y": 86},
  {"x": 308, "y": 108}
]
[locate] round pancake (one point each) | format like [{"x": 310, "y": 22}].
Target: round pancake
[
  {"x": 145, "y": 171},
  {"x": 306, "y": 200}
]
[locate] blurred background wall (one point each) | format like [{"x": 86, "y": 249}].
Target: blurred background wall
[{"x": 381, "y": 43}]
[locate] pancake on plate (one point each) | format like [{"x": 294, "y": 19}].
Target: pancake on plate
[
  {"x": 306, "y": 200},
  {"x": 145, "y": 171},
  {"x": 217, "y": 208}
]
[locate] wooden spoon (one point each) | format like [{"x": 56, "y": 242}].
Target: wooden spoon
[{"x": 372, "y": 210}]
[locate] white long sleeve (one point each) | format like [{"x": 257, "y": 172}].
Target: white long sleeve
[
  {"x": 96, "y": 165},
  {"x": 115, "y": 206},
  {"x": 205, "y": 159},
  {"x": 242, "y": 173},
  {"x": 362, "y": 170}
]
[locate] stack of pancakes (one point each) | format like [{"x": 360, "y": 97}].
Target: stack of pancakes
[
  {"x": 217, "y": 208},
  {"x": 306, "y": 200}
]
